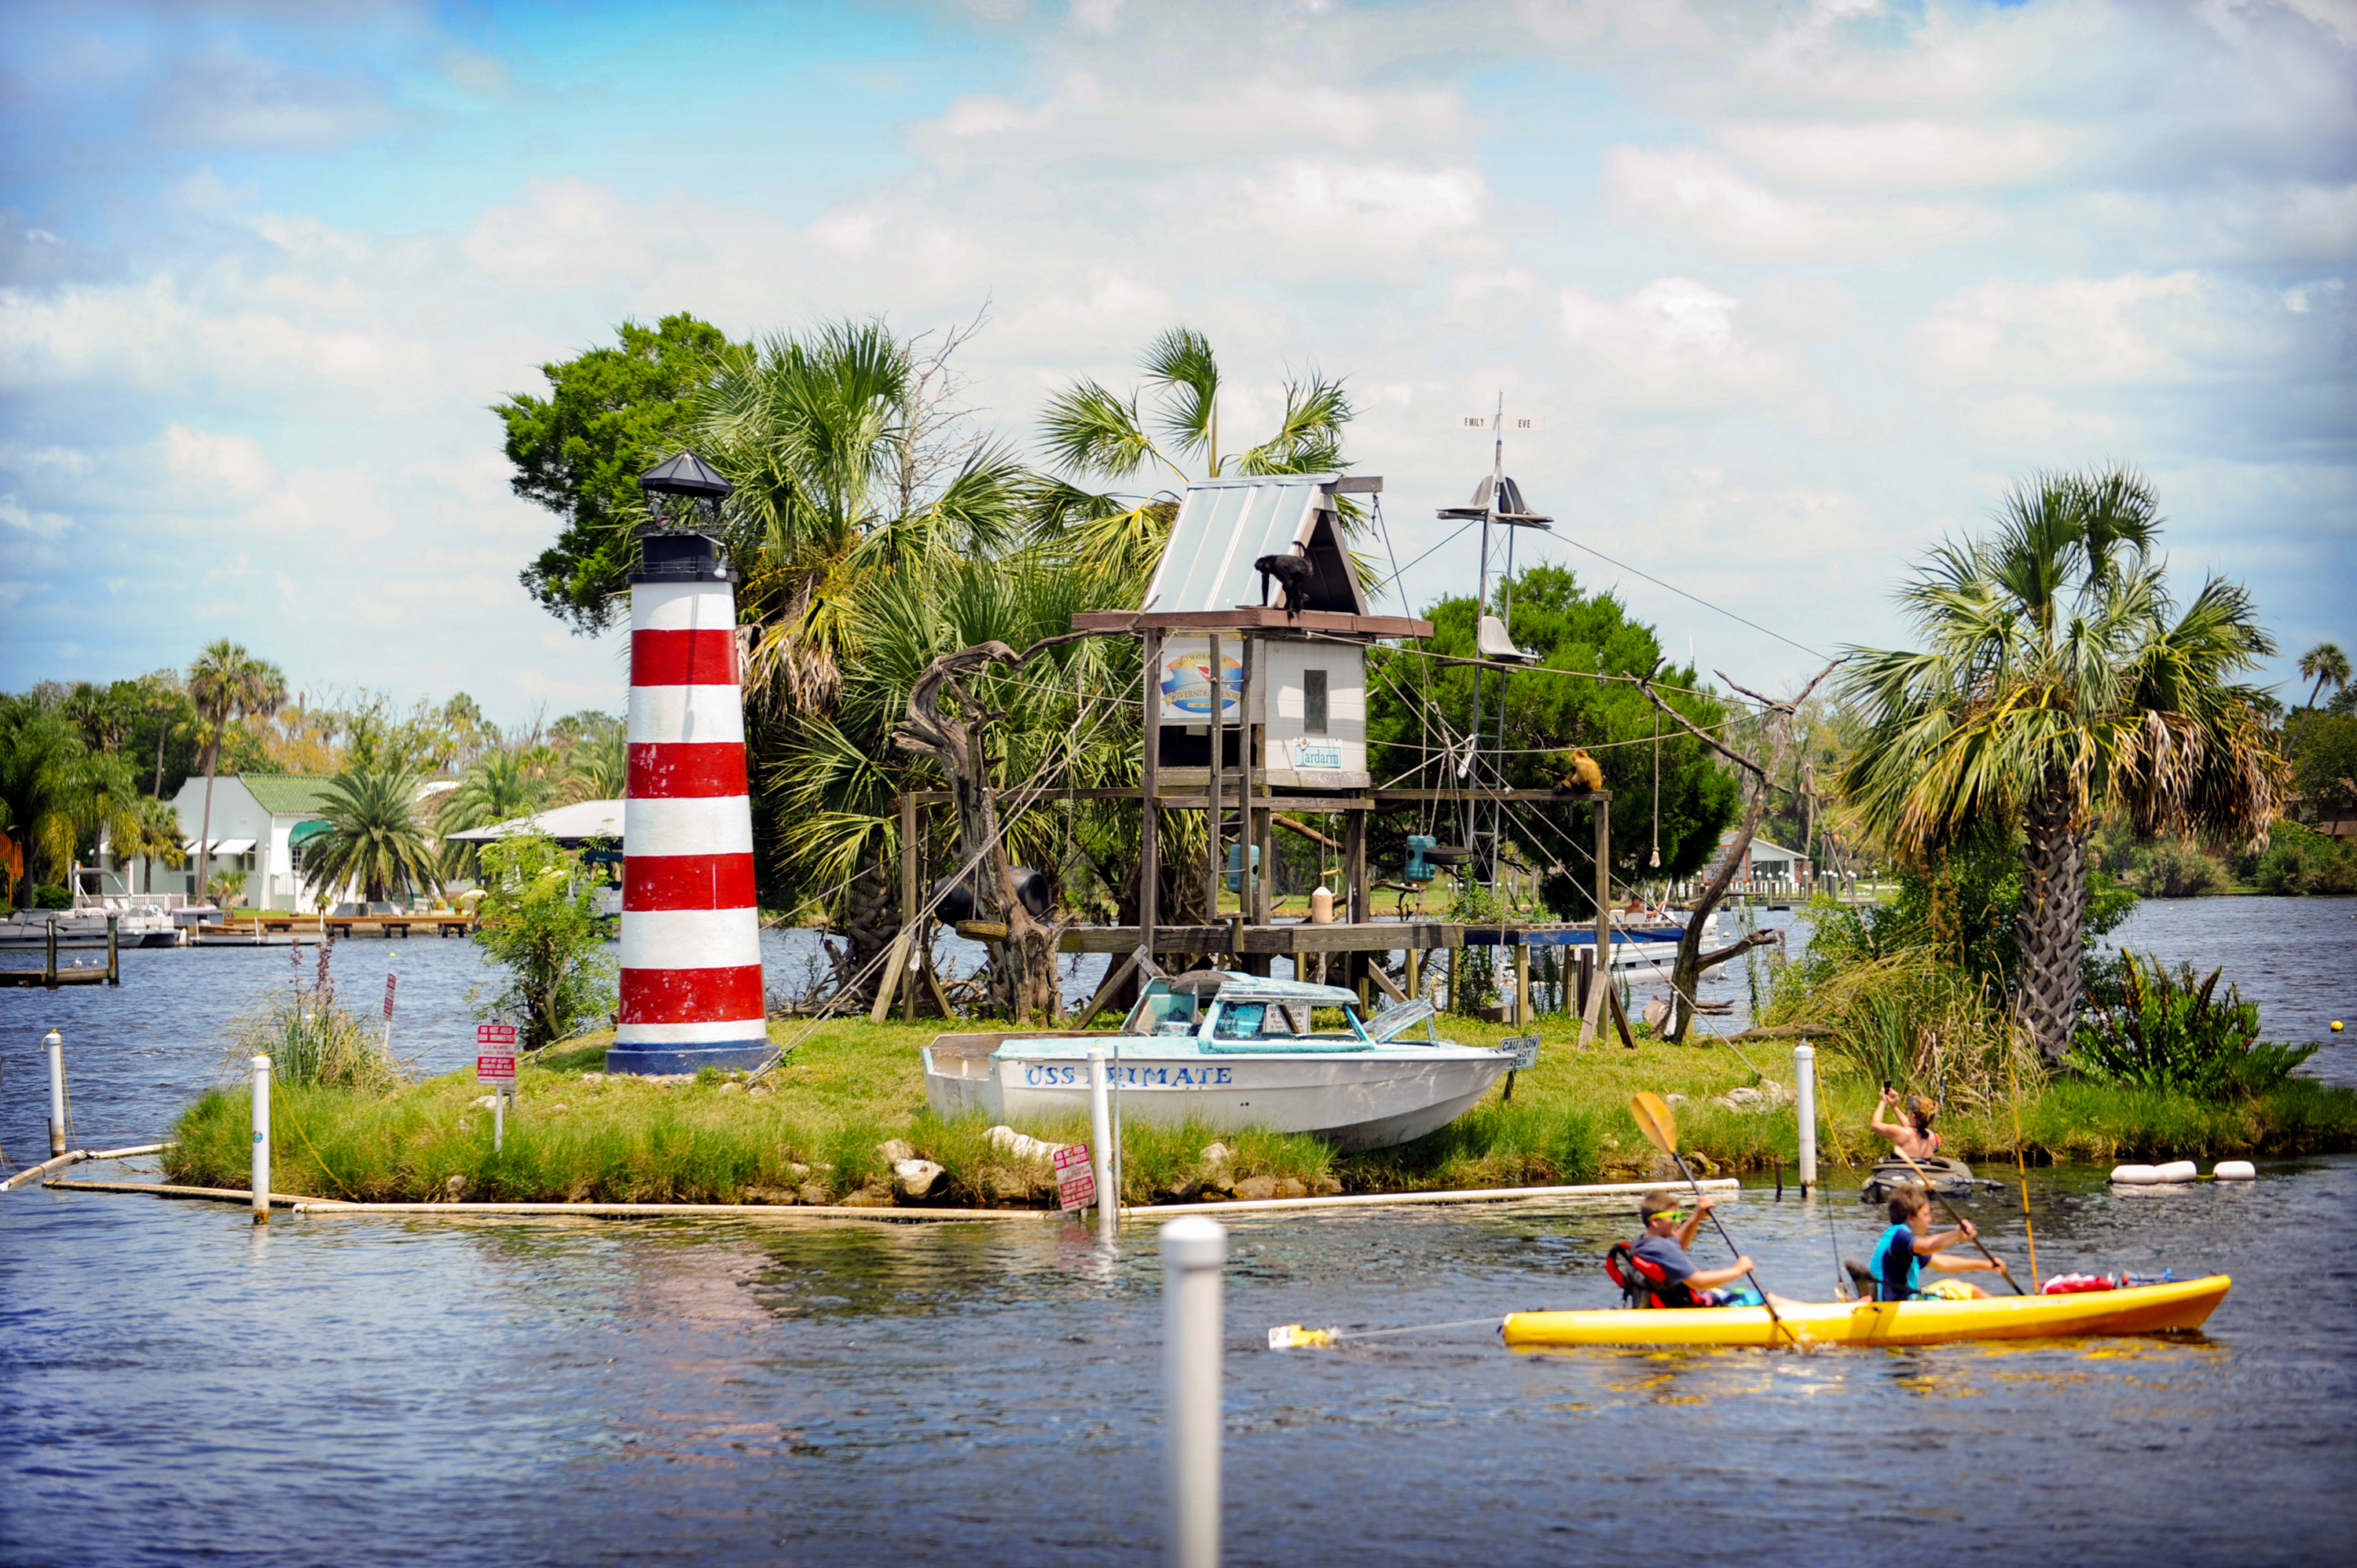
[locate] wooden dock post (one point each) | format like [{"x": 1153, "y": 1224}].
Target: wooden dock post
[
  {"x": 1149, "y": 823},
  {"x": 1214, "y": 852},
  {"x": 908, "y": 901},
  {"x": 1590, "y": 1014},
  {"x": 1523, "y": 1012}
]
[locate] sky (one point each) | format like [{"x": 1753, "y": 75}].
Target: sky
[{"x": 1796, "y": 290}]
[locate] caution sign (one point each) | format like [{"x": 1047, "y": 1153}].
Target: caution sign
[{"x": 1076, "y": 1176}]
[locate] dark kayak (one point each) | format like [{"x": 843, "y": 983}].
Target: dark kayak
[{"x": 1948, "y": 1178}]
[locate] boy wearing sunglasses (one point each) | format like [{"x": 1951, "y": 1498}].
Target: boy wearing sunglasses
[{"x": 1669, "y": 1231}]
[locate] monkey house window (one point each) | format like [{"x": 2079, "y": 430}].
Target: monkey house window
[{"x": 1313, "y": 701}]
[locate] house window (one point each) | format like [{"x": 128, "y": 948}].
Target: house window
[{"x": 1313, "y": 701}]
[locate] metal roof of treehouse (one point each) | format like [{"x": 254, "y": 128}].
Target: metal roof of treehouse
[{"x": 1224, "y": 525}]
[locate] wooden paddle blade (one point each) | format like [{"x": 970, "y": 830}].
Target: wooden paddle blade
[{"x": 1653, "y": 1120}]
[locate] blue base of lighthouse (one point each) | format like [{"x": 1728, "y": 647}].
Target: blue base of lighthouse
[{"x": 728, "y": 1056}]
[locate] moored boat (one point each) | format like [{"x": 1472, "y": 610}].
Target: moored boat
[
  {"x": 2138, "y": 1309},
  {"x": 1231, "y": 1051}
]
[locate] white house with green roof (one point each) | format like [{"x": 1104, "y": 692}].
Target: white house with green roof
[{"x": 259, "y": 823}]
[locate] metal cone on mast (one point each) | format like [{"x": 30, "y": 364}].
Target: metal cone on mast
[{"x": 690, "y": 985}]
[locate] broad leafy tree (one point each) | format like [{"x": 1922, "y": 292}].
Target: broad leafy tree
[
  {"x": 609, "y": 415},
  {"x": 2059, "y": 678}
]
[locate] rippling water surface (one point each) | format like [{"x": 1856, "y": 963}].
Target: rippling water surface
[{"x": 179, "y": 1385}]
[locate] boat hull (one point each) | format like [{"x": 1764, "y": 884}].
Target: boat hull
[
  {"x": 2140, "y": 1309},
  {"x": 1356, "y": 1100}
]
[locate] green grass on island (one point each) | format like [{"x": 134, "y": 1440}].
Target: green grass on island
[{"x": 809, "y": 1130}]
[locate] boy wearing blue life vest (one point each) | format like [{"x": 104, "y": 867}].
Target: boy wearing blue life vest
[{"x": 1908, "y": 1244}]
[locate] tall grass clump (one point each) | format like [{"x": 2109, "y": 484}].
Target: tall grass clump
[
  {"x": 1905, "y": 1018},
  {"x": 311, "y": 1040}
]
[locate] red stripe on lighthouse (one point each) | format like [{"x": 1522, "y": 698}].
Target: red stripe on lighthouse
[
  {"x": 675, "y": 770},
  {"x": 683, "y": 659},
  {"x": 687, "y": 881},
  {"x": 693, "y": 995}
]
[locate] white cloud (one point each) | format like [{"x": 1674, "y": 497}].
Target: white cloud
[
  {"x": 14, "y": 514},
  {"x": 1638, "y": 24},
  {"x": 2028, "y": 421},
  {"x": 1687, "y": 194},
  {"x": 218, "y": 469},
  {"x": 2070, "y": 332},
  {"x": 1674, "y": 339},
  {"x": 1899, "y": 155},
  {"x": 225, "y": 97}
]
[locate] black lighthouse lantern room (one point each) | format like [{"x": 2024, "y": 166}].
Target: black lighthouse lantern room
[{"x": 683, "y": 495}]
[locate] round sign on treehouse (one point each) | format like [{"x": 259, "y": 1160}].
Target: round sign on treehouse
[{"x": 691, "y": 982}]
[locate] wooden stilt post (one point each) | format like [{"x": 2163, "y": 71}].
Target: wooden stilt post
[
  {"x": 1150, "y": 819},
  {"x": 1584, "y": 985},
  {"x": 1212, "y": 814},
  {"x": 1524, "y": 1011},
  {"x": 908, "y": 896},
  {"x": 1590, "y": 1017},
  {"x": 1414, "y": 968}
]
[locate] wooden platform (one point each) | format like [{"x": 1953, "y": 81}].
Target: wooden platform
[{"x": 282, "y": 922}]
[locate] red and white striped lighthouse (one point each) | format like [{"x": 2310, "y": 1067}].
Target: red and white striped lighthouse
[{"x": 691, "y": 985}]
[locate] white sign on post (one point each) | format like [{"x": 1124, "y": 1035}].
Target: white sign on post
[
  {"x": 1076, "y": 1180},
  {"x": 388, "y": 998},
  {"x": 495, "y": 1060}
]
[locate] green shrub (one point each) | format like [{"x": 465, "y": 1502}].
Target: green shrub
[
  {"x": 2148, "y": 1027},
  {"x": 539, "y": 920},
  {"x": 2298, "y": 860}
]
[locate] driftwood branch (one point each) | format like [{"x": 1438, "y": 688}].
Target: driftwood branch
[{"x": 1735, "y": 950}]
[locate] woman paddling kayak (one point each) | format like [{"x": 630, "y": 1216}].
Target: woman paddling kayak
[{"x": 1913, "y": 1137}]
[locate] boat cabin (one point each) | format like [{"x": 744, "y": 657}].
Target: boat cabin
[{"x": 1228, "y": 1012}]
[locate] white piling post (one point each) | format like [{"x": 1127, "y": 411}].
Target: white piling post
[
  {"x": 1193, "y": 1320},
  {"x": 261, "y": 1140},
  {"x": 1101, "y": 1150},
  {"x": 57, "y": 1048},
  {"x": 1804, "y": 1105}
]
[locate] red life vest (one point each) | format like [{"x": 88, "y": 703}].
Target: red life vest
[{"x": 1642, "y": 1283}]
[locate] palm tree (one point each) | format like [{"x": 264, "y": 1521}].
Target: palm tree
[
  {"x": 501, "y": 786},
  {"x": 2327, "y": 666},
  {"x": 1092, "y": 430},
  {"x": 155, "y": 839},
  {"x": 2061, "y": 681},
  {"x": 372, "y": 838},
  {"x": 596, "y": 769},
  {"x": 227, "y": 683},
  {"x": 843, "y": 472},
  {"x": 161, "y": 698}
]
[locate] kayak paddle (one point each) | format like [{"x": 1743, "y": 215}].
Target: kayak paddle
[{"x": 1660, "y": 1129}]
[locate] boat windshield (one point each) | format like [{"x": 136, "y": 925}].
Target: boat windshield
[
  {"x": 1286, "y": 1020},
  {"x": 1163, "y": 1013}
]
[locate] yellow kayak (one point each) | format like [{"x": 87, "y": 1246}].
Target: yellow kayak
[{"x": 2139, "y": 1309}]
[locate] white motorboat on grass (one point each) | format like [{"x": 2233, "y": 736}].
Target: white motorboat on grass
[{"x": 1231, "y": 1051}]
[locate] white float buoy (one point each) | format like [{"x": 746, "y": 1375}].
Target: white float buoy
[
  {"x": 2135, "y": 1176},
  {"x": 2234, "y": 1170},
  {"x": 2177, "y": 1171}
]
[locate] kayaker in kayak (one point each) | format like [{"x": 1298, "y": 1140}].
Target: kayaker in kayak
[
  {"x": 1909, "y": 1244},
  {"x": 1913, "y": 1137},
  {"x": 1662, "y": 1255}
]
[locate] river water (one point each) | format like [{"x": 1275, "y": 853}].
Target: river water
[{"x": 368, "y": 1390}]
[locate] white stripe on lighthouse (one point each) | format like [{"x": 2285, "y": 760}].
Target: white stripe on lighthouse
[
  {"x": 704, "y": 715},
  {"x": 708, "y": 825},
  {"x": 691, "y": 938}
]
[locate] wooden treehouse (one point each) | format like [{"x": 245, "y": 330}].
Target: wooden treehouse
[{"x": 1256, "y": 630}]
